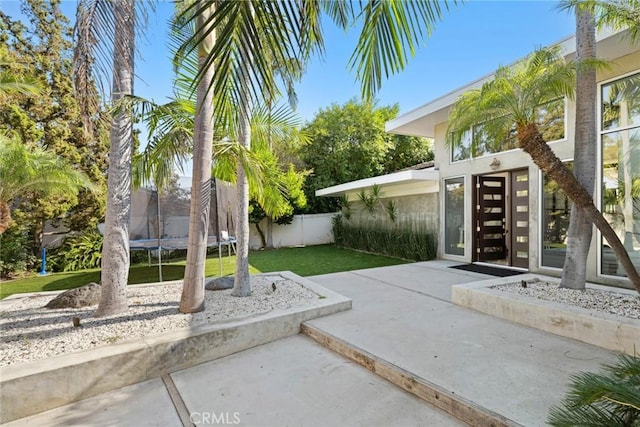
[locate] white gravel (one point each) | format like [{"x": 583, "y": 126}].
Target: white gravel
[
  {"x": 606, "y": 301},
  {"x": 31, "y": 332}
]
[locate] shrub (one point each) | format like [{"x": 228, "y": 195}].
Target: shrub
[
  {"x": 608, "y": 399},
  {"x": 79, "y": 252},
  {"x": 15, "y": 253},
  {"x": 407, "y": 239}
]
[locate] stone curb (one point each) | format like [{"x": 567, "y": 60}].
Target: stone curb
[
  {"x": 41, "y": 385},
  {"x": 451, "y": 403},
  {"x": 600, "y": 329}
]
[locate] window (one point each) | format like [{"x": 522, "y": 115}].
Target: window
[
  {"x": 551, "y": 119},
  {"x": 620, "y": 142},
  {"x": 454, "y": 216},
  {"x": 556, "y": 208},
  {"x": 461, "y": 149}
]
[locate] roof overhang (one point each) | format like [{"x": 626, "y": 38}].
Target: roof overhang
[
  {"x": 423, "y": 120},
  {"x": 395, "y": 179}
]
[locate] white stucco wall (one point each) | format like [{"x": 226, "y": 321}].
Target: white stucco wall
[
  {"x": 304, "y": 230},
  {"x": 516, "y": 159}
]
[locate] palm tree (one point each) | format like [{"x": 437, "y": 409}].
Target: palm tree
[
  {"x": 610, "y": 398},
  {"x": 512, "y": 101},
  {"x": 192, "y": 299},
  {"x": 24, "y": 170},
  {"x": 171, "y": 132},
  {"x": 262, "y": 33},
  {"x": 109, "y": 25},
  {"x": 574, "y": 272},
  {"x": 10, "y": 82},
  {"x": 618, "y": 14}
]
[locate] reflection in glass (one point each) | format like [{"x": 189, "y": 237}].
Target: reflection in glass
[
  {"x": 556, "y": 208},
  {"x": 461, "y": 146},
  {"x": 551, "y": 120},
  {"x": 454, "y": 216},
  {"x": 621, "y": 103},
  {"x": 488, "y": 143},
  {"x": 491, "y": 137},
  {"x": 621, "y": 194}
]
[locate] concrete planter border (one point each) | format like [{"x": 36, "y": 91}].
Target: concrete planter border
[
  {"x": 34, "y": 387},
  {"x": 604, "y": 330}
]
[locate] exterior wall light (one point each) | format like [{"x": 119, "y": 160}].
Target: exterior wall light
[{"x": 495, "y": 164}]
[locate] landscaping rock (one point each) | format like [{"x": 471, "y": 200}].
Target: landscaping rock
[
  {"x": 83, "y": 296},
  {"x": 219, "y": 283}
]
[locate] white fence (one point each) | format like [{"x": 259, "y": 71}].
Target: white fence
[{"x": 304, "y": 230}]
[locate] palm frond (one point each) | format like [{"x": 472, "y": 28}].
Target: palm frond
[
  {"x": 611, "y": 398},
  {"x": 32, "y": 169},
  {"x": 11, "y": 82},
  {"x": 170, "y": 128},
  {"x": 275, "y": 29},
  {"x": 617, "y": 14},
  {"x": 95, "y": 46},
  {"x": 391, "y": 34},
  {"x": 516, "y": 95}
]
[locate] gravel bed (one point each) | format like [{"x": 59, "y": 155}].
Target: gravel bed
[
  {"x": 31, "y": 332},
  {"x": 605, "y": 301}
]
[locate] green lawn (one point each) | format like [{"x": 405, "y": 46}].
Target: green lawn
[{"x": 308, "y": 261}]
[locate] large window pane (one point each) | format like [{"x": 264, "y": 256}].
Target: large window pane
[
  {"x": 556, "y": 208},
  {"x": 460, "y": 146},
  {"x": 488, "y": 139},
  {"x": 454, "y": 216},
  {"x": 621, "y": 194},
  {"x": 621, "y": 103},
  {"x": 551, "y": 120}
]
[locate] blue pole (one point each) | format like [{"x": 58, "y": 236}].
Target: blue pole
[{"x": 43, "y": 265}]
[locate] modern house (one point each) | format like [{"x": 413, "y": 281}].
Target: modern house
[{"x": 492, "y": 204}]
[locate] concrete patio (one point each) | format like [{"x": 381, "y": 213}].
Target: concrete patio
[{"x": 480, "y": 369}]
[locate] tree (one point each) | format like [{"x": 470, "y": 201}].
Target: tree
[
  {"x": 512, "y": 101},
  {"x": 171, "y": 130},
  {"x": 113, "y": 24},
  {"x": 192, "y": 299},
  {"x": 27, "y": 170},
  {"x": 292, "y": 182},
  {"x": 349, "y": 142},
  {"x": 251, "y": 32},
  {"x": 242, "y": 282},
  {"x": 584, "y": 158},
  {"x": 37, "y": 48},
  {"x": 618, "y": 14}
]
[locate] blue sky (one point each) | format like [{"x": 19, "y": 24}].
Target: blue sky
[{"x": 472, "y": 40}]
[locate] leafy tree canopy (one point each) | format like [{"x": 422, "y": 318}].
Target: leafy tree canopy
[
  {"x": 37, "y": 47},
  {"x": 348, "y": 142}
]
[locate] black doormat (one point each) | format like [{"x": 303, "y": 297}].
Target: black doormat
[{"x": 492, "y": 271}]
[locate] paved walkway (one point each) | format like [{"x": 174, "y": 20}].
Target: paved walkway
[{"x": 401, "y": 314}]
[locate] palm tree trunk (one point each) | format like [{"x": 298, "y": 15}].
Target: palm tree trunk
[
  {"x": 115, "y": 250},
  {"x": 192, "y": 299},
  {"x": 574, "y": 273},
  {"x": 532, "y": 142},
  {"x": 242, "y": 280}
]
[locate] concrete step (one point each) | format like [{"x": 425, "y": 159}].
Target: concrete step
[{"x": 455, "y": 405}]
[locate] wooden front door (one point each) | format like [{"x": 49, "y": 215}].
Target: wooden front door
[
  {"x": 490, "y": 218},
  {"x": 519, "y": 224}
]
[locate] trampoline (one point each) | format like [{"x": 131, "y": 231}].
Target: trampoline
[
  {"x": 159, "y": 220},
  {"x": 181, "y": 243}
]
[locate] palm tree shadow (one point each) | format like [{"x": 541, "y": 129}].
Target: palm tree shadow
[{"x": 80, "y": 279}]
